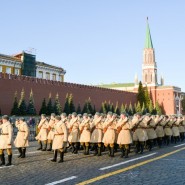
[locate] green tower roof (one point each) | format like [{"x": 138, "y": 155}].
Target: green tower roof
[{"x": 148, "y": 41}]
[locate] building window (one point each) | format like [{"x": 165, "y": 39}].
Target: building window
[
  {"x": 1, "y": 69},
  {"x": 61, "y": 78},
  {"x": 8, "y": 70},
  {"x": 47, "y": 76},
  {"x": 16, "y": 71},
  {"x": 54, "y": 77},
  {"x": 40, "y": 74}
]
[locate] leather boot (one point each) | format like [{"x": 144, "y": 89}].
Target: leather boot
[
  {"x": 84, "y": 147},
  {"x": 87, "y": 150},
  {"x": 61, "y": 157},
  {"x": 112, "y": 152},
  {"x": 141, "y": 148},
  {"x": 109, "y": 149},
  {"x": 50, "y": 147},
  {"x": 9, "y": 160},
  {"x": 40, "y": 147},
  {"x": 54, "y": 156},
  {"x": 75, "y": 148},
  {"x": 126, "y": 153},
  {"x": 20, "y": 152},
  {"x": 137, "y": 149},
  {"x": 45, "y": 147},
  {"x": 2, "y": 160},
  {"x": 23, "y": 153},
  {"x": 95, "y": 150},
  {"x": 122, "y": 152},
  {"x": 99, "y": 151}
]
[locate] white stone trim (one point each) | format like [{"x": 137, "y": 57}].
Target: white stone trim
[{"x": 10, "y": 63}]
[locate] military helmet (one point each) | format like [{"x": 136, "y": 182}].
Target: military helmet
[{"x": 6, "y": 117}]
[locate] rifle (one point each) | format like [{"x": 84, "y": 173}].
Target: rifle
[
  {"x": 84, "y": 126},
  {"x": 137, "y": 124},
  {"x": 120, "y": 127},
  {"x": 94, "y": 127},
  {"x": 105, "y": 129}
]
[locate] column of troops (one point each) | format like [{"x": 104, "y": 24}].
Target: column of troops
[{"x": 98, "y": 132}]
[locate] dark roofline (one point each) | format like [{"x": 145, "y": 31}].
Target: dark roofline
[
  {"x": 49, "y": 65},
  {"x": 10, "y": 57}
]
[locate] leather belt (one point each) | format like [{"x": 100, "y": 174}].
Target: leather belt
[
  {"x": 22, "y": 131},
  {"x": 5, "y": 134},
  {"x": 59, "y": 134}
]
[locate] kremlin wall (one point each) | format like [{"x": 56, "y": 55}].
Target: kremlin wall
[{"x": 41, "y": 88}]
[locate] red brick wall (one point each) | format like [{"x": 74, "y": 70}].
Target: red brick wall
[
  {"x": 42, "y": 88},
  {"x": 165, "y": 97}
]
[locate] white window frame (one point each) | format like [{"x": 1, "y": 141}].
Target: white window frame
[{"x": 8, "y": 70}]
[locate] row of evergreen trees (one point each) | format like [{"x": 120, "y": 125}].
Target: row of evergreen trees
[
  {"x": 20, "y": 107},
  {"x": 144, "y": 104}
]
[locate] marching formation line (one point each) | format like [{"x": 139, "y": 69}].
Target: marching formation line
[
  {"x": 179, "y": 145},
  {"x": 98, "y": 178},
  {"x": 125, "y": 162},
  {"x": 63, "y": 180}
]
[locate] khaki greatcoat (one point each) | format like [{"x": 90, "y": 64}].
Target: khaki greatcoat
[
  {"x": 21, "y": 139},
  {"x": 43, "y": 133},
  {"x": 6, "y": 135}
]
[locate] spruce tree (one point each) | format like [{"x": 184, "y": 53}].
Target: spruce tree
[
  {"x": 66, "y": 105},
  {"x": 71, "y": 104},
  {"x": 151, "y": 107},
  {"x": 22, "y": 104},
  {"x": 112, "y": 108},
  {"x": 43, "y": 109},
  {"x": 94, "y": 110},
  {"x": 147, "y": 97},
  {"x": 109, "y": 106},
  {"x": 138, "y": 108},
  {"x": 116, "y": 109},
  {"x": 31, "y": 109},
  {"x": 122, "y": 109},
  {"x": 57, "y": 106},
  {"x": 103, "y": 108},
  {"x": 79, "y": 111},
  {"x": 15, "y": 109},
  {"x": 49, "y": 106},
  {"x": 85, "y": 108},
  {"x": 141, "y": 94},
  {"x": 143, "y": 110},
  {"x": 158, "y": 108},
  {"x": 88, "y": 107},
  {"x": 130, "y": 110}
]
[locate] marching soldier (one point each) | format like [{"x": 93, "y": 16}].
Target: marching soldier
[
  {"x": 60, "y": 139},
  {"x": 167, "y": 129},
  {"x": 21, "y": 140},
  {"x": 97, "y": 133},
  {"x": 85, "y": 133},
  {"x": 140, "y": 134},
  {"x": 51, "y": 131},
  {"x": 74, "y": 133},
  {"x": 181, "y": 128},
  {"x": 124, "y": 135},
  {"x": 150, "y": 131},
  {"x": 175, "y": 129},
  {"x": 109, "y": 133},
  {"x": 159, "y": 129},
  {"x": 43, "y": 133},
  {"x": 6, "y": 140}
]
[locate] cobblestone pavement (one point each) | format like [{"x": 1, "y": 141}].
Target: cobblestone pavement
[{"x": 37, "y": 169}]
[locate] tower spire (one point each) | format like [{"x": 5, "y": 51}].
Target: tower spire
[{"x": 148, "y": 40}]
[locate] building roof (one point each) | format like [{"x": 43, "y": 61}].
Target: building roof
[
  {"x": 148, "y": 41},
  {"x": 9, "y": 57},
  {"x": 116, "y": 85},
  {"x": 48, "y": 65}
]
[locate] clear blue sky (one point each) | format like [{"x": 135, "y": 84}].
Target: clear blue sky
[{"x": 97, "y": 41}]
